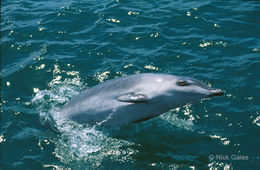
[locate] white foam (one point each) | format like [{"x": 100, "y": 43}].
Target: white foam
[{"x": 76, "y": 141}]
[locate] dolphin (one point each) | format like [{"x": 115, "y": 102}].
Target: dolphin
[{"x": 135, "y": 98}]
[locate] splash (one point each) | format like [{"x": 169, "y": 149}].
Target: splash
[
  {"x": 75, "y": 142},
  {"x": 172, "y": 117}
]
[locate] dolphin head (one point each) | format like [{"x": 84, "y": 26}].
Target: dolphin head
[
  {"x": 189, "y": 89},
  {"x": 177, "y": 91}
]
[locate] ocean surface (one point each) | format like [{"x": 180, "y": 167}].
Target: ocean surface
[{"x": 52, "y": 50}]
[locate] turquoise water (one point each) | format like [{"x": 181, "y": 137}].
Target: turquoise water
[{"x": 51, "y": 50}]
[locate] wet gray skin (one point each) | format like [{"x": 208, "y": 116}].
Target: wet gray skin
[{"x": 135, "y": 98}]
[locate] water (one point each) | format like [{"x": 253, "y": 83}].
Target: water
[{"x": 51, "y": 50}]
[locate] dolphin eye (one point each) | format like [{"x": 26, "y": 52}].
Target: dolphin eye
[{"x": 182, "y": 83}]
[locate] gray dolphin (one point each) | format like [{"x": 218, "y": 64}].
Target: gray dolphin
[{"x": 135, "y": 98}]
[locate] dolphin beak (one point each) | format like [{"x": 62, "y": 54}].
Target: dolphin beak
[{"x": 215, "y": 92}]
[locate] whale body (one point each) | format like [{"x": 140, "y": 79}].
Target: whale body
[{"x": 135, "y": 98}]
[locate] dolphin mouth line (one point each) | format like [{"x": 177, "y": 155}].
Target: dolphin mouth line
[{"x": 215, "y": 92}]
